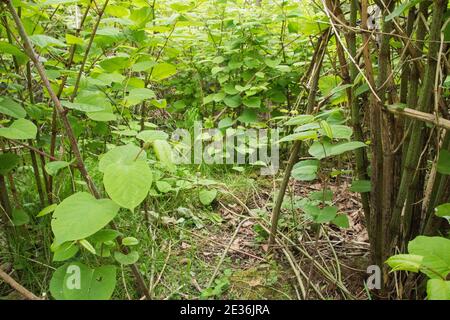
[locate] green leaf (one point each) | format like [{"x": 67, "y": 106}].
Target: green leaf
[
  {"x": 406, "y": 262},
  {"x": 8, "y": 48},
  {"x": 19, "y": 217},
  {"x": 8, "y": 161},
  {"x": 443, "y": 211},
  {"x": 163, "y": 152},
  {"x": 321, "y": 195},
  {"x": 160, "y": 103},
  {"x": 128, "y": 183},
  {"x": 436, "y": 255},
  {"x": 130, "y": 241},
  {"x": 305, "y": 170},
  {"x": 402, "y": 7},
  {"x": 81, "y": 215},
  {"x": 443, "y": 164},
  {"x": 252, "y": 102},
  {"x": 162, "y": 71},
  {"x": 361, "y": 186},
  {"x": 83, "y": 107},
  {"x": 143, "y": 66},
  {"x": 87, "y": 245},
  {"x": 230, "y": 89},
  {"x": 318, "y": 215},
  {"x": 121, "y": 154},
  {"x": 299, "y": 120},
  {"x": 326, "y": 129},
  {"x": 47, "y": 210},
  {"x": 76, "y": 281},
  {"x": 104, "y": 235},
  {"x": 152, "y": 135},
  {"x": 11, "y": 108},
  {"x": 44, "y": 41},
  {"x": 305, "y": 135},
  {"x": 114, "y": 63},
  {"x": 438, "y": 289},
  {"x": 21, "y": 129},
  {"x": 65, "y": 251},
  {"x": 233, "y": 101},
  {"x": 341, "y": 221},
  {"x": 126, "y": 259},
  {"x": 207, "y": 196},
  {"x": 139, "y": 95},
  {"x": 338, "y": 131},
  {"x": 325, "y": 149},
  {"x": 53, "y": 167},
  {"x": 272, "y": 62},
  {"x": 248, "y": 116},
  {"x": 163, "y": 186},
  {"x": 71, "y": 39}
]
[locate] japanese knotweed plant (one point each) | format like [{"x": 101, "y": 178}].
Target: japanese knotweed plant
[{"x": 328, "y": 137}]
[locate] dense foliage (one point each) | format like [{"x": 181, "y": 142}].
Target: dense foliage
[{"x": 98, "y": 184}]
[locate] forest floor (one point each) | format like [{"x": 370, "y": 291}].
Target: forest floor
[
  {"x": 189, "y": 251},
  {"x": 224, "y": 254}
]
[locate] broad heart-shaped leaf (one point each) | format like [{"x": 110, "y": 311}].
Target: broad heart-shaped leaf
[
  {"x": 207, "y": 196},
  {"x": 164, "y": 154},
  {"x": 436, "y": 255},
  {"x": 325, "y": 149},
  {"x": 152, "y": 135},
  {"x": 8, "y": 161},
  {"x": 53, "y": 167},
  {"x": 128, "y": 183},
  {"x": 443, "y": 164},
  {"x": 361, "y": 186},
  {"x": 305, "y": 170},
  {"x": 438, "y": 289},
  {"x": 121, "y": 154},
  {"x": 406, "y": 262},
  {"x": 80, "y": 216},
  {"x": 76, "y": 281},
  {"x": 21, "y": 129},
  {"x": 11, "y": 108},
  {"x": 162, "y": 71}
]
